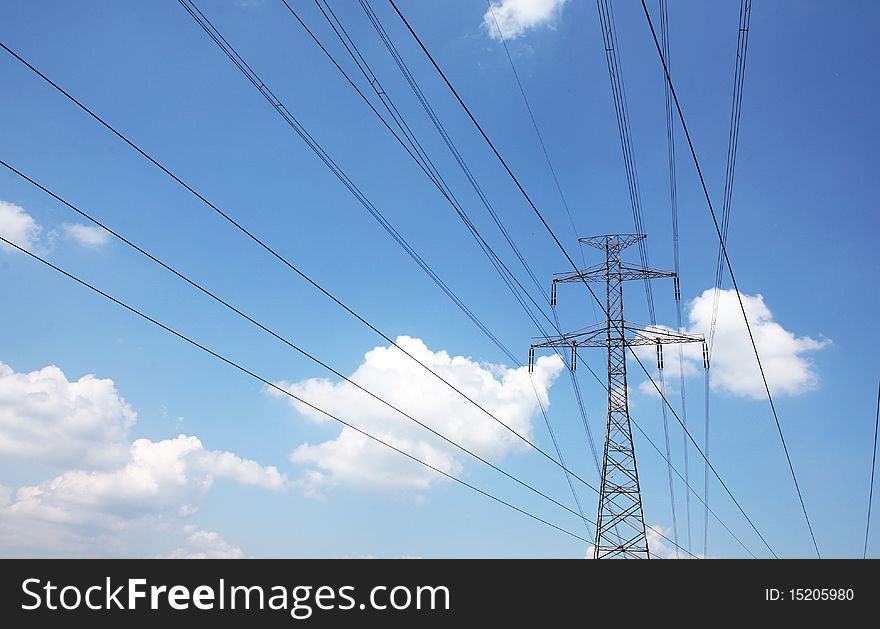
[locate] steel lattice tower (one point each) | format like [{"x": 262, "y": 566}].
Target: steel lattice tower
[{"x": 620, "y": 530}]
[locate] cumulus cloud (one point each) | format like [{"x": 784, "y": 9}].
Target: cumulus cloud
[
  {"x": 512, "y": 18},
  {"x": 17, "y": 226},
  {"x": 169, "y": 476},
  {"x": 785, "y": 355},
  {"x": 78, "y": 511},
  {"x": 355, "y": 460},
  {"x": 86, "y": 235},
  {"x": 115, "y": 494},
  {"x": 48, "y": 419}
]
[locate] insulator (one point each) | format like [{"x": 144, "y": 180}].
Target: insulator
[
  {"x": 659, "y": 356},
  {"x": 574, "y": 357},
  {"x": 553, "y": 295},
  {"x": 677, "y": 290},
  {"x": 705, "y": 356},
  {"x": 531, "y": 359}
]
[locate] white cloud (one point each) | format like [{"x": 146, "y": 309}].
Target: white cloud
[
  {"x": 358, "y": 461},
  {"x": 163, "y": 483},
  {"x": 17, "y": 226},
  {"x": 48, "y": 419},
  {"x": 201, "y": 544},
  {"x": 116, "y": 495},
  {"x": 512, "y": 18},
  {"x": 86, "y": 235},
  {"x": 734, "y": 369}
]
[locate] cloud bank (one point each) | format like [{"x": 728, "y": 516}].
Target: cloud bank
[{"x": 114, "y": 496}]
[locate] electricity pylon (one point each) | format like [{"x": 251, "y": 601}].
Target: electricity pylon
[{"x": 620, "y": 529}]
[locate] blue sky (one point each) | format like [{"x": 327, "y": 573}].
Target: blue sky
[{"x": 803, "y": 231}]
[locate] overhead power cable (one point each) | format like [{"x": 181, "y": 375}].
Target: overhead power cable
[
  {"x": 873, "y": 466},
  {"x": 568, "y": 257},
  {"x": 419, "y": 154},
  {"x": 416, "y": 151},
  {"x": 706, "y": 469},
  {"x": 546, "y": 153},
  {"x": 274, "y": 253},
  {"x": 742, "y": 40},
  {"x": 431, "y": 113},
  {"x": 284, "y": 391},
  {"x": 733, "y": 280},
  {"x": 618, "y": 91},
  {"x": 203, "y": 21},
  {"x": 535, "y": 126},
  {"x": 331, "y": 164},
  {"x": 429, "y": 110},
  {"x": 673, "y": 203},
  {"x": 742, "y": 46},
  {"x": 279, "y": 337},
  {"x": 368, "y": 73}
]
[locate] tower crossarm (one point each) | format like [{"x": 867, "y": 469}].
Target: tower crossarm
[
  {"x": 594, "y": 336},
  {"x": 612, "y": 241},
  {"x": 633, "y": 335},
  {"x": 600, "y": 273},
  {"x": 650, "y": 335}
]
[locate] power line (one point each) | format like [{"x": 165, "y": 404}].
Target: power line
[
  {"x": 249, "y": 73},
  {"x": 280, "y": 257},
  {"x": 568, "y": 257},
  {"x": 127, "y": 141},
  {"x": 328, "y": 161},
  {"x": 705, "y": 469},
  {"x": 546, "y": 153},
  {"x": 732, "y": 142},
  {"x": 742, "y": 45},
  {"x": 227, "y": 217},
  {"x": 427, "y": 166},
  {"x": 732, "y": 278},
  {"x": 873, "y": 466},
  {"x": 275, "y": 386},
  {"x": 413, "y": 83},
  {"x": 429, "y": 110},
  {"x": 279, "y": 389},
  {"x": 618, "y": 90},
  {"x": 537, "y": 129},
  {"x": 276, "y": 335},
  {"x": 419, "y": 155},
  {"x": 673, "y": 203},
  {"x": 573, "y": 378}
]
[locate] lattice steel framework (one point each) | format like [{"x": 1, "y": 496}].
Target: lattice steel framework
[{"x": 620, "y": 531}]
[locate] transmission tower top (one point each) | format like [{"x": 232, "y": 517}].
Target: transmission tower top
[{"x": 613, "y": 241}]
